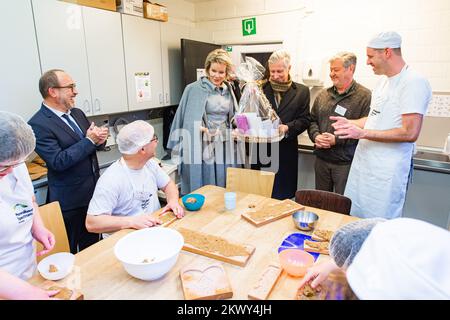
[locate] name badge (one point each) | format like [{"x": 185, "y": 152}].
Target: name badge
[{"x": 340, "y": 110}]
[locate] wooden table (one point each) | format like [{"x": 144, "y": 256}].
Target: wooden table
[{"x": 99, "y": 275}]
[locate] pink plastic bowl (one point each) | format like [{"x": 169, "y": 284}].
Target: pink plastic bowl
[{"x": 295, "y": 261}]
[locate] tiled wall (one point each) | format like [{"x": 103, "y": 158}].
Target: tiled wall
[{"x": 316, "y": 29}]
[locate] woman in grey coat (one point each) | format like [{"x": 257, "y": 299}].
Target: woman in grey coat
[{"x": 200, "y": 133}]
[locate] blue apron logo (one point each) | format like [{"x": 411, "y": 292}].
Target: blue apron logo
[{"x": 22, "y": 212}]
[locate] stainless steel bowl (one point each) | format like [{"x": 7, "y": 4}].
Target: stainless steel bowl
[{"x": 305, "y": 220}]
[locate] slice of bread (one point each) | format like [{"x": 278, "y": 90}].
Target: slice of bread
[
  {"x": 322, "y": 235},
  {"x": 316, "y": 246}
]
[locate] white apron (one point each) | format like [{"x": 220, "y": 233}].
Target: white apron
[
  {"x": 17, "y": 254},
  {"x": 379, "y": 173}
]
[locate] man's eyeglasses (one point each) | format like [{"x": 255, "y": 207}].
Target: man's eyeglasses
[
  {"x": 71, "y": 86},
  {"x": 4, "y": 168},
  {"x": 155, "y": 138}
]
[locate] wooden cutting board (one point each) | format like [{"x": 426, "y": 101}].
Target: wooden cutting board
[
  {"x": 261, "y": 290},
  {"x": 216, "y": 247},
  {"x": 205, "y": 281},
  {"x": 64, "y": 293},
  {"x": 166, "y": 218},
  {"x": 270, "y": 210}
]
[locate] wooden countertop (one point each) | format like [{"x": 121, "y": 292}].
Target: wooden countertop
[{"x": 99, "y": 275}]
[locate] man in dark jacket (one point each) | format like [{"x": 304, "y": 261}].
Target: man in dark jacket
[
  {"x": 290, "y": 100},
  {"x": 67, "y": 143},
  {"x": 345, "y": 98}
]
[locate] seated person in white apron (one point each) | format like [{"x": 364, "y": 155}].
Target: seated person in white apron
[
  {"x": 20, "y": 222},
  {"x": 127, "y": 192}
]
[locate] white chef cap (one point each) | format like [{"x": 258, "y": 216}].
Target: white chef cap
[
  {"x": 17, "y": 139},
  {"x": 134, "y": 136},
  {"x": 347, "y": 240},
  {"x": 388, "y": 39},
  {"x": 402, "y": 259}
]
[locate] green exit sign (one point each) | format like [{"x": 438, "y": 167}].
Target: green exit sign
[{"x": 248, "y": 26}]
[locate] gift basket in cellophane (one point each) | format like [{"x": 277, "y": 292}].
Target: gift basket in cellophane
[{"x": 256, "y": 120}]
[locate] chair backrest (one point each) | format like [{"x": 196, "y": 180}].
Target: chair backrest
[
  {"x": 250, "y": 181},
  {"x": 324, "y": 200},
  {"x": 53, "y": 220}
]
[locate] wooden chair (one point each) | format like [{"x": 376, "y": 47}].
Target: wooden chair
[
  {"x": 324, "y": 200},
  {"x": 250, "y": 181},
  {"x": 53, "y": 220}
]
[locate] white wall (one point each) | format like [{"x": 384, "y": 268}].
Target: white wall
[
  {"x": 318, "y": 29},
  {"x": 183, "y": 13}
]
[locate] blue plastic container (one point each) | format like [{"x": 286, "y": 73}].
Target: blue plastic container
[{"x": 190, "y": 204}]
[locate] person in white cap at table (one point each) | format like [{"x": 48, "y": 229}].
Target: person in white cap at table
[
  {"x": 378, "y": 177},
  {"x": 403, "y": 259},
  {"x": 344, "y": 245},
  {"x": 127, "y": 192},
  {"x": 20, "y": 222},
  {"x": 396, "y": 259}
]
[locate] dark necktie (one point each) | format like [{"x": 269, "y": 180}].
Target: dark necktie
[{"x": 74, "y": 126}]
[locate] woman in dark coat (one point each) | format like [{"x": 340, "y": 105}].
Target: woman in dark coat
[{"x": 291, "y": 102}]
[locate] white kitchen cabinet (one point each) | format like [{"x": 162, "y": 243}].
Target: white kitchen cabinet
[
  {"x": 171, "y": 35},
  {"x": 19, "y": 60},
  {"x": 103, "y": 32},
  {"x": 141, "y": 40},
  {"x": 86, "y": 43}
]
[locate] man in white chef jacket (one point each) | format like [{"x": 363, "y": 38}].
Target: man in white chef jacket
[
  {"x": 382, "y": 163},
  {"x": 127, "y": 192}
]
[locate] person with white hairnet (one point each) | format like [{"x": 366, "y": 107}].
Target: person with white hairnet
[
  {"x": 344, "y": 245},
  {"x": 127, "y": 192},
  {"x": 394, "y": 259},
  {"x": 403, "y": 259},
  {"x": 20, "y": 222},
  {"x": 382, "y": 164}
]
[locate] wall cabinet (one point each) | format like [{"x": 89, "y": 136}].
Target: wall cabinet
[
  {"x": 87, "y": 43},
  {"x": 103, "y": 51},
  {"x": 19, "y": 60},
  {"x": 154, "y": 48},
  {"x": 141, "y": 42}
]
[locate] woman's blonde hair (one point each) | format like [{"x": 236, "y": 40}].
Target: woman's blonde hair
[{"x": 218, "y": 56}]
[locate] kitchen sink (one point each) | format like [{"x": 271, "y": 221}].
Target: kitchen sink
[
  {"x": 427, "y": 160},
  {"x": 441, "y": 157}
]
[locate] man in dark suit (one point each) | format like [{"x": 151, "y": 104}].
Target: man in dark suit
[
  {"x": 68, "y": 143},
  {"x": 290, "y": 100}
]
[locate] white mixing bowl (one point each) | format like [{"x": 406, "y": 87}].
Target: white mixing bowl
[
  {"x": 62, "y": 261},
  {"x": 148, "y": 254}
]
